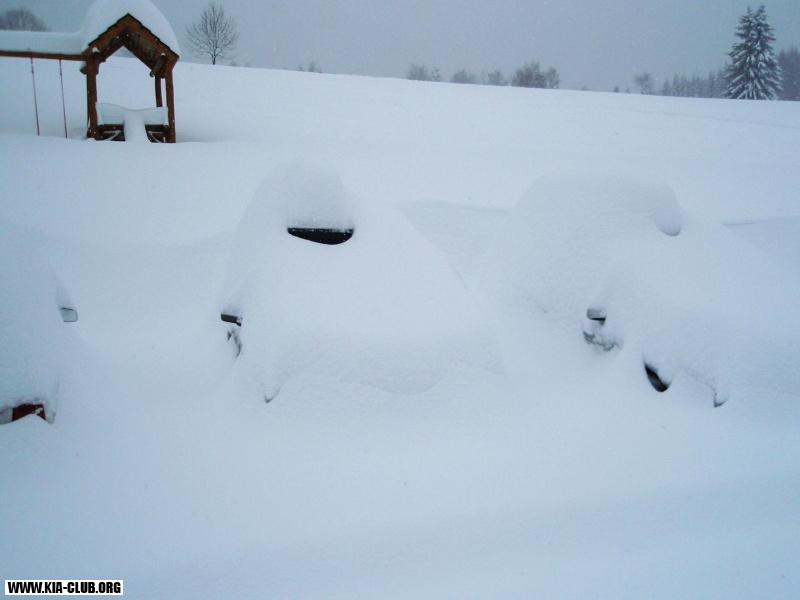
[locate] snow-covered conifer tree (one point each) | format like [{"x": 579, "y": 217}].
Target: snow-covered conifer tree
[{"x": 754, "y": 73}]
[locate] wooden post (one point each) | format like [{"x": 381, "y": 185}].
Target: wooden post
[
  {"x": 170, "y": 106},
  {"x": 91, "y": 99},
  {"x": 159, "y": 99}
]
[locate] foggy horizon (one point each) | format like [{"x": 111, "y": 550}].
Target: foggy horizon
[{"x": 590, "y": 45}]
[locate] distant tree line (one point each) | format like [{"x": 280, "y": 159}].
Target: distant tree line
[
  {"x": 712, "y": 85},
  {"x": 715, "y": 83},
  {"x": 21, "y": 19},
  {"x": 753, "y": 73},
  {"x": 754, "y": 70},
  {"x": 423, "y": 73},
  {"x": 529, "y": 75},
  {"x": 311, "y": 67},
  {"x": 789, "y": 63}
]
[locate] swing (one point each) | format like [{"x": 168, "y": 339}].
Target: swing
[{"x": 36, "y": 103}]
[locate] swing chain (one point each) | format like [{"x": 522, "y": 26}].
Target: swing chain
[{"x": 35, "y": 102}]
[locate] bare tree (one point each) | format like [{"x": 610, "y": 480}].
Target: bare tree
[
  {"x": 463, "y": 76},
  {"x": 21, "y": 19},
  {"x": 551, "y": 79},
  {"x": 214, "y": 35},
  {"x": 423, "y": 73},
  {"x": 530, "y": 75},
  {"x": 312, "y": 67},
  {"x": 496, "y": 77}
]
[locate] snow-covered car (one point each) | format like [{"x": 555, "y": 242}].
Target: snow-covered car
[
  {"x": 325, "y": 284},
  {"x": 33, "y": 310},
  {"x": 673, "y": 297}
]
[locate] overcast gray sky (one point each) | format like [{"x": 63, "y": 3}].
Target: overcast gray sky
[{"x": 591, "y": 42}]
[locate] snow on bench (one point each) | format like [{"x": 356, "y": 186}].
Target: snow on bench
[{"x": 133, "y": 120}]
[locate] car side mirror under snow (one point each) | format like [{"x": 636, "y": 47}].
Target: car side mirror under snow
[{"x": 68, "y": 315}]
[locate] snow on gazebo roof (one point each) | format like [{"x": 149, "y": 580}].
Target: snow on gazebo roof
[{"x": 101, "y": 15}]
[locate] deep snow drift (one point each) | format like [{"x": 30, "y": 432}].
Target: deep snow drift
[
  {"x": 32, "y": 334},
  {"x": 684, "y": 296},
  {"x": 340, "y": 310},
  {"x": 526, "y": 462}
]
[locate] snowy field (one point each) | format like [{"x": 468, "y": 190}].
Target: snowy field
[{"x": 424, "y": 411}]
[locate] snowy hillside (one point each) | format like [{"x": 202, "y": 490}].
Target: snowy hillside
[{"x": 453, "y": 403}]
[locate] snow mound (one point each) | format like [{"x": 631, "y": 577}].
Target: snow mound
[
  {"x": 383, "y": 308},
  {"x": 555, "y": 246},
  {"x": 31, "y": 330},
  {"x": 684, "y": 296},
  {"x": 312, "y": 197},
  {"x": 104, "y": 13}
]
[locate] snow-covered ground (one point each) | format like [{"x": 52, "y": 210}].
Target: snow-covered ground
[{"x": 449, "y": 432}]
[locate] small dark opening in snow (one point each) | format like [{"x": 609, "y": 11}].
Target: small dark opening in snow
[
  {"x": 322, "y": 236},
  {"x": 9, "y": 415},
  {"x": 658, "y": 384}
]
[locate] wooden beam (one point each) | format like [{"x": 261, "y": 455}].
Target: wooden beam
[
  {"x": 133, "y": 35},
  {"x": 91, "y": 99},
  {"x": 158, "y": 67},
  {"x": 170, "y": 106},
  {"x": 47, "y": 55},
  {"x": 159, "y": 99}
]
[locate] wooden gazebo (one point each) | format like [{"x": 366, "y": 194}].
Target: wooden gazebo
[{"x": 127, "y": 32}]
